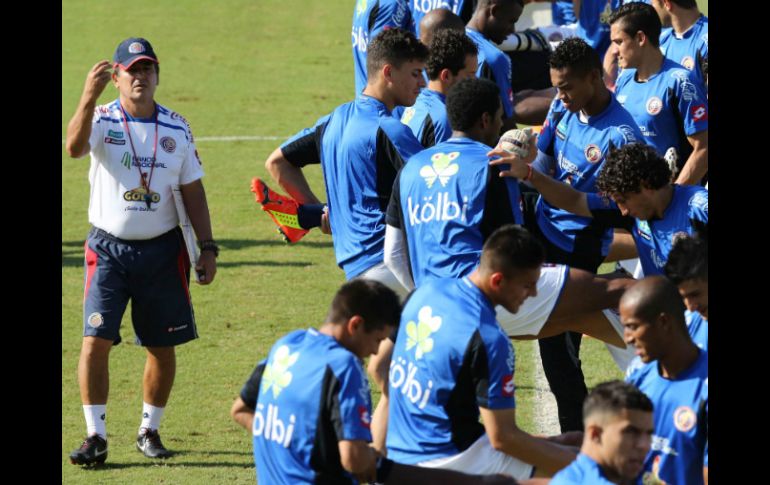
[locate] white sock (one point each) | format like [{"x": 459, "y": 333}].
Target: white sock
[
  {"x": 95, "y": 416},
  {"x": 151, "y": 416}
]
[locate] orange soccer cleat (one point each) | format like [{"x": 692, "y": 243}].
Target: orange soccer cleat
[{"x": 281, "y": 209}]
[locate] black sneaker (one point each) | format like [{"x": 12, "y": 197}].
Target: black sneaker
[
  {"x": 93, "y": 450},
  {"x": 148, "y": 442}
]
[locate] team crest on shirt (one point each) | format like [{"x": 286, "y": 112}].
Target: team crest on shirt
[
  {"x": 277, "y": 375},
  {"x": 593, "y": 153},
  {"x": 407, "y": 116},
  {"x": 418, "y": 334},
  {"x": 684, "y": 419},
  {"x": 95, "y": 320},
  {"x": 654, "y": 105},
  {"x": 168, "y": 144},
  {"x": 136, "y": 48},
  {"x": 441, "y": 168},
  {"x": 688, "y": 62},
  {"x": 699, "y": 113}
]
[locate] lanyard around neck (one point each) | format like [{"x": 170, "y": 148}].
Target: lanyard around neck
[{"x": 145, "y": 183}]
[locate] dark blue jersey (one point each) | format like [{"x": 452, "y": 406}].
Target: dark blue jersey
[
  {"x": 680, "y": 440},
  {"x": 698, "y": 328},
  {"x": 494, "y": 65},
  {"x": 583, "y": 471},
  {"x": 370, "y": 17},
  {"x": 655, "y": 238},
  {"x": 360, "y": 147},
  {"x": 420, "y": 7},
  {"x": 690, "y": 48},
  {"x": 309, "y": 394},
  {"x": 427, "y": 118},
  {"x": 563, "y": 12},
  {"x": 668, "y": 107},
  {"x": 450, "y": 358},
  {"x": 579, "y": 146},
  {"x": 448, "y": 200}
]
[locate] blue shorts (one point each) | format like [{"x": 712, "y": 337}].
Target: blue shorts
[{"x": 153, "y": 273}]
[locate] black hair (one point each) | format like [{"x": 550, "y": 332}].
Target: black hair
[
  {"x": 689, "y": 258},
  {"x": 468, "y": 100},
  {"x": 613, "y": 397},
  {"x": 631, "y": 168},
  {"x": 511, "y": 248},
  {"x": 638, "y": 16},
  {"x": 575, "y": 53},
  {"x": 395, "y": 47},
  {"x": 377, "y": 304},
  {"x": 448, "y": 50}
]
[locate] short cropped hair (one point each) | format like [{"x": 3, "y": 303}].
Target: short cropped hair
[
  {"x": 638, "y": 16},
  {"x": 575, "y": 53},
  {"x": 631, "y": 168},
  {"x": 468, "y": 100},
  {"x": 689, "y": 258},
  {"x": 652, "y": 300},
  {"x": 395, "y": 47},
  {"x": 510, "y": 249},
  {"x": 613, "y": 397},
  {"x": 448, "y": 50},
  {"x": 377, "y": 304}
]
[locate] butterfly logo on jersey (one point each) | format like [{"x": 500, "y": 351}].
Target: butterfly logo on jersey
[
  {"x": 418, "y": 334},
  {"x": 441, "y": 168},
  {"x": 407, "y": 116},
  {"x": 277, "y": 375},
  {"x": 360, "y": 7}
]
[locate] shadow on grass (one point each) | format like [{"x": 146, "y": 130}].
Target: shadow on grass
[{"x": 174, "y": 461}]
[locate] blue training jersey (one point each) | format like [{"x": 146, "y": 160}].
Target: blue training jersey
[
  {"x": 563, "y": 12},
  {"x": 309, "y": 394},
  {"x": 698, "y": 328},
  {"x": 583, "y": 471},
  {"x": 494, "y": 65},
  {"x": 420, "y": 7},
  {"x": 448, "y": 199},
  {"x": 370, "y": 17},
  {"x": 655, "y": 238},
  {"x": 450, "y": 358},
  {"x": 427, "y": 118},
  {"x": 680, "y": 440},
  {"x": 690, "y": 48},
  {"x": 668, "y": 107},
  {"x": 579, "y": 146},
  {"x": 360, "y": 147}
]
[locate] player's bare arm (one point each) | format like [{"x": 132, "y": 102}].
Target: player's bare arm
[
  {"x": 698, "y": 163},
  {"x": 79, "y": 127},
  {"x": 358, "y": 458},
  {"x": 290, "y": 178},
  {"x": 198, "y": 210},
  {"x": 242, "y": 413}
]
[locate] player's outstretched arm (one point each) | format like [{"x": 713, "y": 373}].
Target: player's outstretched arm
[
  {"x": 290, "y": 178},
  {"x": 556, "y": 193},
  {"x": 698, "y": 163},
  {"x": 79, "y": 127},
  {"x": 548, "y": 457},
  {"x": 242, "y": 413}
]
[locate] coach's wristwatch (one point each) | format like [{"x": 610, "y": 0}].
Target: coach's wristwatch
[{"x": 209, "y": 245}]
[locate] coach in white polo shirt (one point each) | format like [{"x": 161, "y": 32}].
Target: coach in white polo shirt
[{"x": 139, "y": 151}]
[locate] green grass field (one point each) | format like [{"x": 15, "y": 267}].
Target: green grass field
[{"x": 232, "y": 68}]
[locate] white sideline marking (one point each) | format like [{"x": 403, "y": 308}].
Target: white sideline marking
[
  {"x": 546, "y": 413},
  {"x": 233, "y": 138}
]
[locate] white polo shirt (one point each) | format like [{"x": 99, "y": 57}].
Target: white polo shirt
[{"x": 117, "y": 203}]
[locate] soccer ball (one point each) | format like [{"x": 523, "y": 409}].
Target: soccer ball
[{"x": 516, "y": 141}]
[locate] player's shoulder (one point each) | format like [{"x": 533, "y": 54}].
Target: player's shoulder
[
  {"x": 696, "y": 196},
  {"x": 637, "y": 371},
  {"x": 108, "y": 112},
  {"x": 174, "y": 120}
]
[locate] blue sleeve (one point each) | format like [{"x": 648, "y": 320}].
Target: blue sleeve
[
  {"x": 392, "y": 14},
  {"x": 354, "y": 403},
  {"x": 250, "y": 390},
  {"x": 305, "y": 147},
  {"x": 691, "y": 101},
  {"x": 699, "y": 206},
  {"x": 545, "y": 164},
  {"x": 493, "y": 375}
]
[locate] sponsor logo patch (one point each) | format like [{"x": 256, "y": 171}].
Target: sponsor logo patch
[
  {"x": 176, "y": 329},
  {"x": 699, "y": 113},
  {"x": 407, "y": 116},
  {"x": 654, "y": 105},
  {"x": 95, "y": 320},
  {"x": 114, "y": 141},
  {"x": 277, "y": 375},
  {"x": 684, "y": 419},
  {"x": 168, "y": 144},
  {"x": 140, "y": 194},
  {"x": 441, "y": 168},
  {"x": 418, "y": 334},
  {"x": 508, "y": 386},
  {"x": 363, "y": 414},
  {"x": 115, "y": 134}
]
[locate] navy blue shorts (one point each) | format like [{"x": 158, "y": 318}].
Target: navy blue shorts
[{"x": 154, "y": 274}]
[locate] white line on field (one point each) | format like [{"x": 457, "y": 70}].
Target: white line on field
[
  {"x": 546, "y": 413},
  {"x": 234, "y": 138}
]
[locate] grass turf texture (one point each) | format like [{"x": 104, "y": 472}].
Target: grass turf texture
[{"x": 231, "y": 68}]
